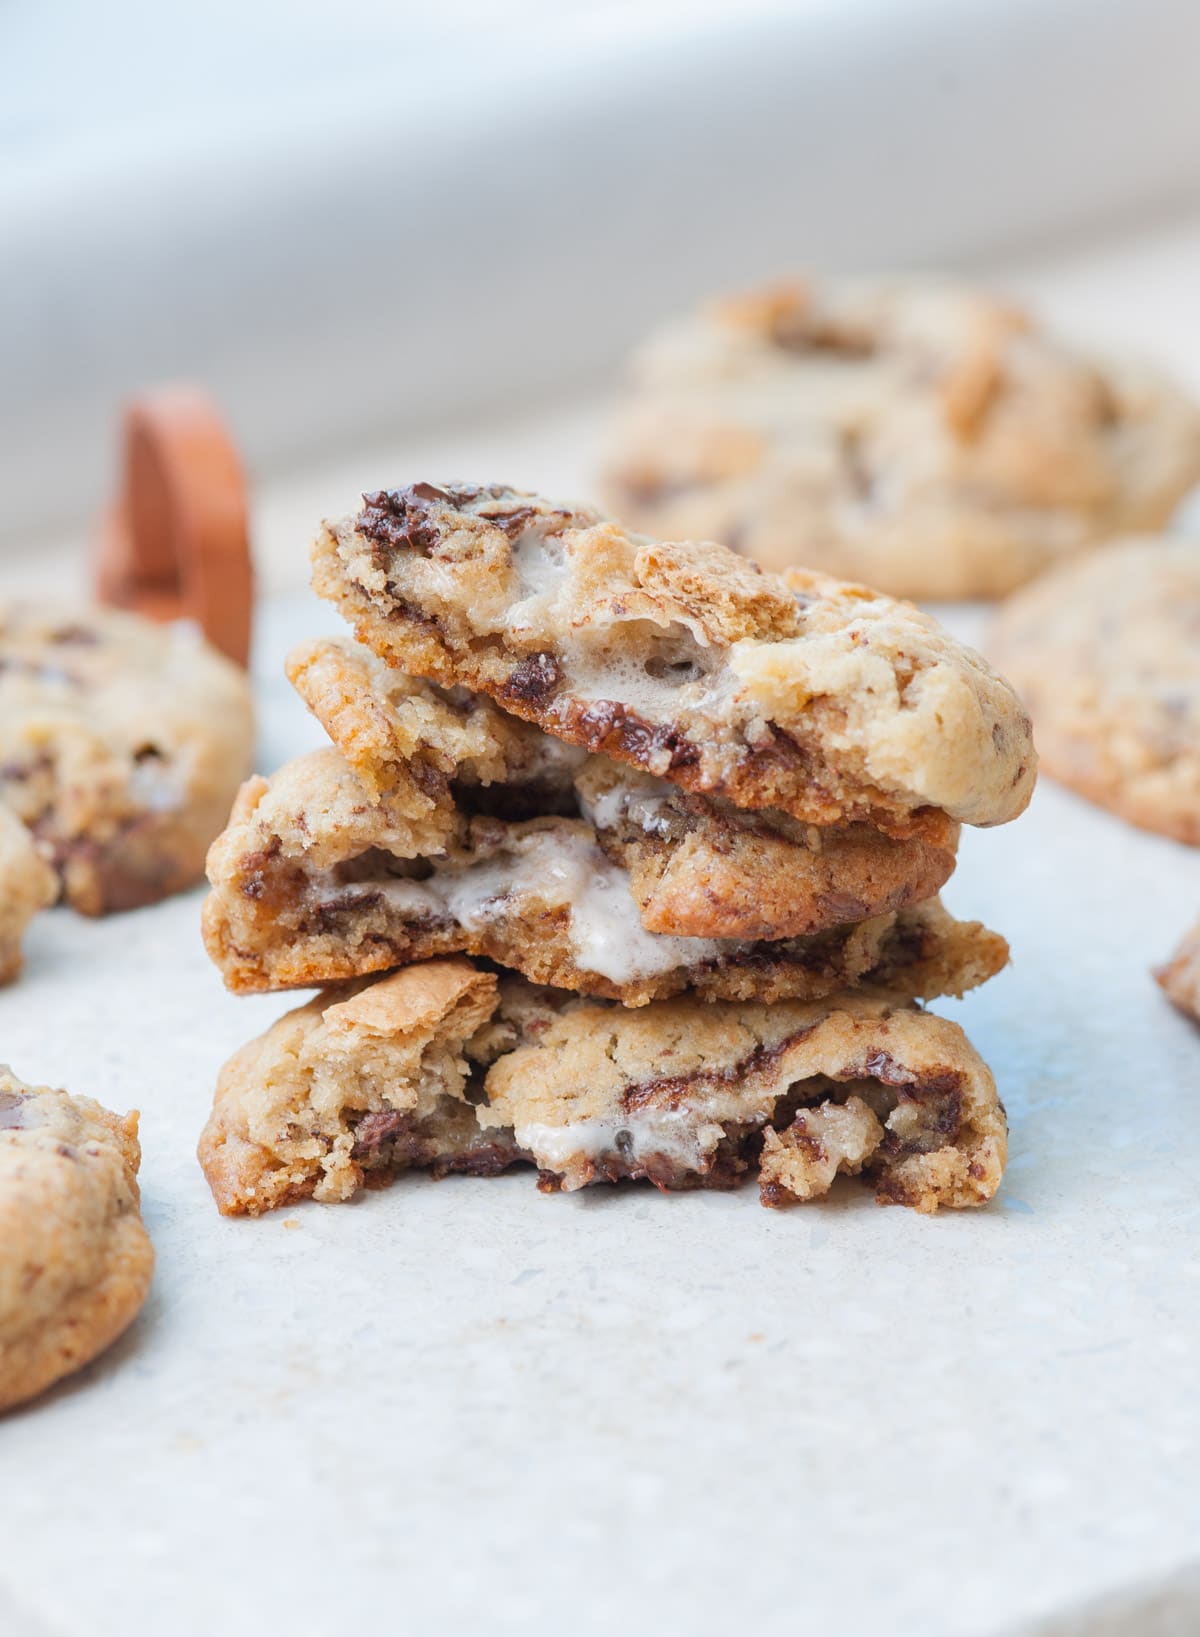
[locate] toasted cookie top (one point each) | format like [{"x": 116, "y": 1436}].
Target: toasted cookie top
[{"x": 817, "y": 697}]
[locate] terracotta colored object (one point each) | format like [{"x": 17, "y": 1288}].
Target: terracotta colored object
[{"x": 176, "y": 543}]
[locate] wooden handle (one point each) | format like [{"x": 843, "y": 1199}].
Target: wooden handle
[{"x": 176, "y": 544}]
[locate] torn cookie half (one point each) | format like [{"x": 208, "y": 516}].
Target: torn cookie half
[
  {"x": 698, "y": 867},
  {"x": 446, "y": 1067},
  {"x": 686, "y": 1095},
  {"x": 315, "y": 882},
  {"x": 820, "y": 698},
  {"x": 364, "y": 1082}
]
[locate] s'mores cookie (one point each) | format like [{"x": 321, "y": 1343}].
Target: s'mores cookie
[
  {"x": 918, "y": 435},
  {"x": 698, "y": 867},
  {"x": 122, "y": 744},
  {"x": 444, "y": 1067},
  {"x": 364, "y": 1082},
  {"x": 1106, "y": 653},
  {"x": 75, "y": 1258},
  {"x": 315, "y": 881},
  {"x": 1180, "y": 978},
  {"x": 820, "y": 700}
]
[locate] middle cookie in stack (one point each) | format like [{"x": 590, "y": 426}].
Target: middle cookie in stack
[{"x": 636, "y": 771}]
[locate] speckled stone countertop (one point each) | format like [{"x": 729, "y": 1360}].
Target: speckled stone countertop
[{"x": 466, "y": 1407}]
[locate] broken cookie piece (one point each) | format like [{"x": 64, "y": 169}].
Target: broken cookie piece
[
  {"x": 698, "y": 866},
  {"x": 446, "y": 1067},
  {"x": 364, "y": 1082},
  {"x": 689, "y": 1095},
  {"x": 314, "y": 882},
  {"x": 823, "y": 700}
]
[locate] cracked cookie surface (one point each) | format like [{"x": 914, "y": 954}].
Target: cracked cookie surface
[
  {"x": 821, "y": 699},
  {"x": 314, "y": 881},
  {"x": 75, "y": 1259},
  {"x": 1106, "y": 653},
  {"x": 918, "y": 435},
  {"x": 121, "y": 746}
]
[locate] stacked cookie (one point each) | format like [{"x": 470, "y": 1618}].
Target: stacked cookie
[{"x": 648, "y": 845}]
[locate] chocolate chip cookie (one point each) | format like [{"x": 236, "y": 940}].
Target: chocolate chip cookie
[
  {"x": 75, "y": 1259},
  {"x": 1106, "y": 653},
  {"x": 1180, "y": 978},
  {"x": 447, "y": 1068},
  {"x": 27, "y": 884},
  {"x": 315, "y": 881},
  {"x": 686, "y": 1094},
  {"x": 820, "y": 699},
  {"x": 121, "y": 746},
  {"x": 698, "y": 866},
  {"x": 918, "y": 435}
]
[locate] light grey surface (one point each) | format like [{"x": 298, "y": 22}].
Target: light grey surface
[
  {"x": 349, "y": 221},
  {"x": 466, "y": 1407}
]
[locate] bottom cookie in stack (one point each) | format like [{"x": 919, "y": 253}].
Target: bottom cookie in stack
[{"x": 448, "y": 1066}]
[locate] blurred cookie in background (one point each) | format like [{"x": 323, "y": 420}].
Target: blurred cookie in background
[
  {"x": 75, "y": 1258},
  {"x": 122, "y": 744},
  {"x": 1105, "y": 652},
  {"x": 920, "y": 436}
]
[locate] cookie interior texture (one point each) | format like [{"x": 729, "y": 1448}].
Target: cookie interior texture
[
  {"x": 122, "y": 744},
  {"x": 314, "y": 881},
  {"x": 75, "y": 1259},
  {"x": 447, "y": 1067},
  {"x": 698, "y": 866},
  {"x": 820, "y": 699},
  {"x": 920, "y": 436},
  {"x": 1106, "y": 654}
]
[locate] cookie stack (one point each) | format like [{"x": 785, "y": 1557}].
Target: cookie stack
[{"x": 648, "y": 845}]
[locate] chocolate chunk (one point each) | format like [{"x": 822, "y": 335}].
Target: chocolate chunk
[
  {"x": 373, "y": 1130},
  {"x": 533, "y": 680}
]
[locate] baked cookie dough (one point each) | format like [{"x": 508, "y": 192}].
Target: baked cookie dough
[
  {"x": 685, "y": 1093},
  {"x": 448, "y": 1068},
  {"x": 698, "y": 867},
  {"x": 314, "y": 881},
  {"x": 75, "y": 1259},
  {"x": 27, "y": 884},
  {"x": 122, "y": 744},
  {"x": 820, "y": 699},
  {"x": 1105, "y": 652},
  {"x": 364, "y": 1082},
  {"x": 920, "y": 436},
  {"x": 1180, "y": 978}
]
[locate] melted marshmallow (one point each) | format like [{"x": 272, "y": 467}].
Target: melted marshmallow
[{"x": 556, "y": 869}]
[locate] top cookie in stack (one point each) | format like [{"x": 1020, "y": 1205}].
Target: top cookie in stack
[{"x": 639, "y": 772}]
